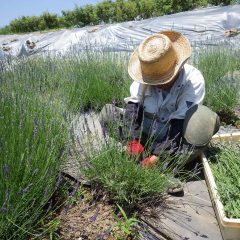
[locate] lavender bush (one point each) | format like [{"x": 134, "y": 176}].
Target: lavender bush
[
  {"x": 32, "y": 141},
  {"x": 39, "y": 97},
  {"x": 222, "y": 87}
]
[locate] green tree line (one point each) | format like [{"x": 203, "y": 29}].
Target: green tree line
[{"x": 107, "y": 11}]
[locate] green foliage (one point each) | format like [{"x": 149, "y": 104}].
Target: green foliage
[
  {"x": 226, "y": 168},
  {"x": 125, "y": 225},
  {"x": 33, "y": 137},
  {"x": 96, "y": 81},
  {"x": 24, "y": 24},
  {"x": 5, "y": 30},
  {"x": 48, "y": 21},
  {"x": 50, "y": 228},
  {"x": 85, "y": 15},
  {"x": 74, "y": 82},
  {"x": 37, "y": 97},
  {"x": 34, "y": 23},
  {"x": 146, "y": 8},
  {"x": 106, "y": 11},
  {"x": 124, "y": 11},
  {"x": 218, "y": 2},
  {"x": 126, "y": 182},
  {"x": 68, "y": 19},
  {"x": 222, "y": 88}
]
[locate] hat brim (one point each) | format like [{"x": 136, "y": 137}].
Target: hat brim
[{"x": 182, "y": 49}]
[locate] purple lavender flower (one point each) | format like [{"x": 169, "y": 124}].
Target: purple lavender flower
[
  {"x": 6, "y": 170},
  {"x": 26, "y": 189},
  {"x": 105, "y": 132},
  {"x": 21, "y": 117},
  {"x": 4, "y": 206},
  {"x": 105, "y": 233},
  {"x": 75, "y": 189},
  {"x": 114, "y": 101},
  {"x": 4, "y": 209},
  {"x": 94, "y": 216},
  {"x": 46, "y": 192},
  {"x": 50, "y": 205},
  {"x": 35, "y": 127},
  {"x": 35, "y": 172},
  {"x": 65, "y": 116},
  {"x": 59, "y": 179}
]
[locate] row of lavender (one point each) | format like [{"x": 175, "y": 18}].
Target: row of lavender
[{"x": 39, "y": 98}]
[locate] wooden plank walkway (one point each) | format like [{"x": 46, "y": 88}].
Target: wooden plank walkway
[{"x": 187, "y": 217}]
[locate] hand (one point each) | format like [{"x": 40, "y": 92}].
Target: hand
[
  {"x": 150, "y": 161},
  {"x": 135, "y": 148}
]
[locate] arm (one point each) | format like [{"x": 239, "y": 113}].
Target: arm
[
  {"x": 133, "y": 112},
  {"x": 132, "y": 120},
  {"x": 173, "y": 138}
]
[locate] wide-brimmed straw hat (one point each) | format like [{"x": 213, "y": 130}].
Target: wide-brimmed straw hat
[{"x": 159, "y": 58}]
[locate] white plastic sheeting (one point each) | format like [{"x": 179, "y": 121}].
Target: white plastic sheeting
[{"x": 203, "y": 27}]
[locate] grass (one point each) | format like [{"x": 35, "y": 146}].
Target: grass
[
  {"x": 225, "y": 167},
  {"x": 222, "y": 88},
  {"x": 126, "y": 226}
]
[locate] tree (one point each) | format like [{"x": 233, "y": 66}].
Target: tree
[
  {"x": 146, "y": 8},
  {"x": 85, "y": 15},
  {"x": 105, "y": 11},
  {"x": 68, "y": 18},
  {"x": 130, "y": 11},
  {"x": 25, "y": 24},
  {"x": 125, "y": 10},
  {"x": 218, "y": 2},
  {"x": 49, "y": 21}
]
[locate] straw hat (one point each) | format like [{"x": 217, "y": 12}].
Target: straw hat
[{"x": 159, "y": 57}]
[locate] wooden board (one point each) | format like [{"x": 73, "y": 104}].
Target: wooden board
[
  {"x": 187, "y": 217},
  {"x": 227, "y": 137},
  {"x": 230, "y": 227}
]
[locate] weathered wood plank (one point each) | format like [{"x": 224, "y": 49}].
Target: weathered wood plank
[{"x": 188, "y": 217}]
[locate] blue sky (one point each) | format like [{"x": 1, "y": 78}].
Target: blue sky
[{"x": 11, "y": 9}]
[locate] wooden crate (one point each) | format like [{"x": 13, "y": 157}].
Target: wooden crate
[{"x": 230, "y": 228}]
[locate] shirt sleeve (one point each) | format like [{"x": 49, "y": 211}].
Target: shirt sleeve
[
  {"x": 136, "y": 90},
  {"x": 192, "y": 93}
]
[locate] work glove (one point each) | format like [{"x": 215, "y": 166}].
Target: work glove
[
  {"x": 135, "y": 148},
  {"x": 150, "y": 161}
]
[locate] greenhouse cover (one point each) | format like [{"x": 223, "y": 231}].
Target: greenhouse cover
[{"x": 212, "y": 26}]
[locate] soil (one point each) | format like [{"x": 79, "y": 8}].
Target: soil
[
  {"x": 230, "y": 118},
  {"x": 89, "y": 219},
  {"x": 86, "y": 221}
]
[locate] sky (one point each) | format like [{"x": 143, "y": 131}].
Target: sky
[{"x": 11, "y": 9}]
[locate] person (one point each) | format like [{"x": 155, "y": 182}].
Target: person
[{"x": 165, "y": 102}]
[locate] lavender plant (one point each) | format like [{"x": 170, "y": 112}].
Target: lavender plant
[
  {"x": 38, "y": 95},
  {"x": 96, "y": 79},
  {"x": 220, "y": 68},
  {"x": 33, "y": 136},
  {"x": 126, "y": 182},
  {"x": 225, "y": 167}
]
